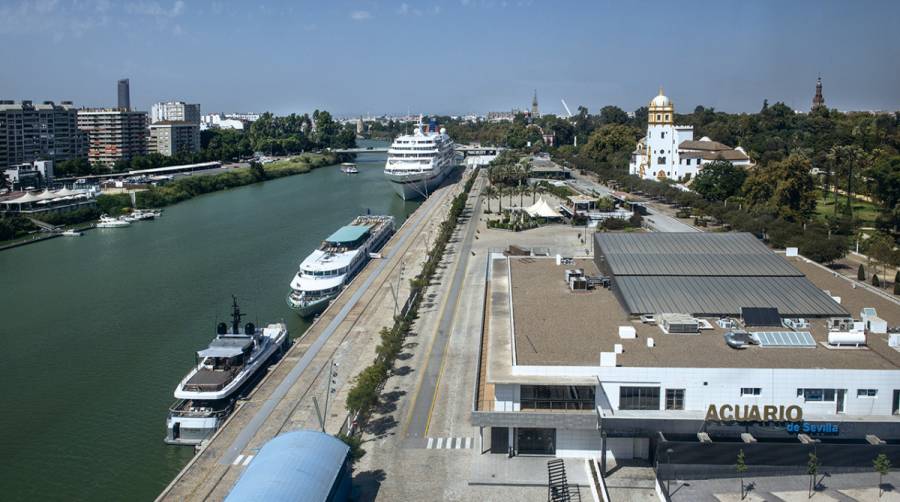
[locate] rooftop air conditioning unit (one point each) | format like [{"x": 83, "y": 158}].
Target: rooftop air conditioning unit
[{"x": 796, "y": 323}]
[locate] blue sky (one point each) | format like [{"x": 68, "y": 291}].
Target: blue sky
[{"x": 460, "y": 56}]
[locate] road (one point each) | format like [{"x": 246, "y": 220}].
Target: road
[
  {"x": 656, "y": 219},
  {"x": 420, "y": 417}
]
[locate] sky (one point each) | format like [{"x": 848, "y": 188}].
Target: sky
[{"x": 451, "y": 57}]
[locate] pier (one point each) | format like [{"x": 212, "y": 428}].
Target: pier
[{"x": 344, "y": 335}]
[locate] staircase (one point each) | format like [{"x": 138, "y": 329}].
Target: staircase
[{"x": 558, "y": 486}]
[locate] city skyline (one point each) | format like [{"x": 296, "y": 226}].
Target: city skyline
[{"x": 459, "y": 57}]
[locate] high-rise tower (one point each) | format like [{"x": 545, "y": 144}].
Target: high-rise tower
[
  {"x": 124, "y": 95},
  {"x": 818, "y": 99},
  {"x": 534, "y": 106}
]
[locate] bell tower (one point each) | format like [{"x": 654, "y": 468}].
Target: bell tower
[{"x": 818, "y": 99}]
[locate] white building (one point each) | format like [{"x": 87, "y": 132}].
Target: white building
[
  {"x": 219, "y": 121},
  {"x": 578, "y": 371},
  {"x": 669, "y": 151},
  {"x": 175, "y": 111}
]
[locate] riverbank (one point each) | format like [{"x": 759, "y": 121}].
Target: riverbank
[{"x": 188, "y": 187}]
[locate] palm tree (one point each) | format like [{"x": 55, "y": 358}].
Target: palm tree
[
  {"x": 488, "y": 193},
  {"x": 500, "y": 191},
  {"x": 521, "y": 189}
]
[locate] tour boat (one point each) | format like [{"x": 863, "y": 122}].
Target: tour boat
[
  {"x": 417, "y": 163},
  {"x": 71, "y": 233},
  {"x": 231, "y": 364},
  {"x": 349, "y": 168},
  {"x": 325, "y": 272},
  {"x": 108, "y": 222}
]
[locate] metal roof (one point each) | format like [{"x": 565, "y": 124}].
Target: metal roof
[
  {"x": 713, "y": 296},
  {"x": 349, "y": 233},
  {"x": 297, "y": 466},
  {"x": 691, "y": 253}
]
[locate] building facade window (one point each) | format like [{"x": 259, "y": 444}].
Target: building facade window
[
  {"x": 750, "y": 391},
  {"x": 557, "y": 397},
  {"x": 658, "y": 117},
  {"x": 638, "y": 398},
  {"x": 674, "y": 399},
  {"x": 866, "y": 392},
  {"x": 660, "y": 160},
  {"x": 662, "y": 134},
  {"x": 816, "y": 395}
]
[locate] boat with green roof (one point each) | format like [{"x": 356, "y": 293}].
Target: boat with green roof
[{"x": 327, "y": 270}]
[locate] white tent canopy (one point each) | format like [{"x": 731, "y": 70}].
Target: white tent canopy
[{"x": 541, "y": 209}]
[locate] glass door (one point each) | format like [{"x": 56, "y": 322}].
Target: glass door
[
  {"x": 536, "y": 441},
  {"x": 841, "y": 393}
]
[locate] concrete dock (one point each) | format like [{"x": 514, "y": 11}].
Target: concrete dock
[{"x": 346, "y": 333}]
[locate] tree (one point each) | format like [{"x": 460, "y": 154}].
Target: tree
[
  {"x": 861, "y": 273},
  {"x": 897, "y": 283},
  {"x": 882, "y": 465},
  {"x": 610, "y": 145},
  {"x": 786, "y": 187},
  {"x": 885, "y": 176},
  {"x": 741, "y": 468},
  {"x": 489, "y": 192},
  {"x": 876, "y": 281},
  {"x": 719, "y": 180},
  {"x": 812, "y": 468},
  {"x": 821, "y": 248},
  {"x": 355, "y": 444},
  {"x": 613, "y": 115}
]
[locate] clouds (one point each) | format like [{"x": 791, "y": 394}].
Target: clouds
[
  {"x": 154, "y": 9},
  {"x": 360, "y": 15},
  {"x": 57, "y": 19}
]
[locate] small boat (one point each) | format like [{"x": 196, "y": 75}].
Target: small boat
[
  {"x": 108, "y": 222},
  {"x": 144, "y": 214},
  {"x": 71, "y": 233},
  {"x": 349, "y": 168}
]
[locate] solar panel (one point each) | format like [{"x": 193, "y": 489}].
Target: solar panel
[
  {"x": 784, "y": 338},
  {"x": 760, "y": 316}
]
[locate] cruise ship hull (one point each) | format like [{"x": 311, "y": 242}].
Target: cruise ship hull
[
  {"x": 309, "y": 309},
  {"x": 418, "y": 185}
]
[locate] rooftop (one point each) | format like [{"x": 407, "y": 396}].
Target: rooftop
[
  {"x": 705, "y": 274},
  {"x": 348, "y": 233},
  {"x": 555, "y": 326}
]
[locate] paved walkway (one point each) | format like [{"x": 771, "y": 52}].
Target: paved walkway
[{"x": 856, "y": 487}]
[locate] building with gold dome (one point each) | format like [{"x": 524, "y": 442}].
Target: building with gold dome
[{"x": 669, "y": 151}]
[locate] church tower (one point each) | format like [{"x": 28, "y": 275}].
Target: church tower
[
  {"x": 534, "y": 106},
  {"x": 662, "y": 138},
  {"x": 818, "y": 99}
]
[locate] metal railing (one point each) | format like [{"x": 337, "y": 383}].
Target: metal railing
[{"x": 536, "y": 405}]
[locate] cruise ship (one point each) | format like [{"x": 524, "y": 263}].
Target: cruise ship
[
  {"x": 230, "y": 366},
  {"x": 325, "y": 272},
  {"x": 419, "y": 162}
]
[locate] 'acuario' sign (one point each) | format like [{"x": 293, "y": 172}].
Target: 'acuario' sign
[{"x": 752, "y": 413}]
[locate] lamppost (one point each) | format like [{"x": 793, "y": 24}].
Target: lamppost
[{"x": 669, "y": 452}]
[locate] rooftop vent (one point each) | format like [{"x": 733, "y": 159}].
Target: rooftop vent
[
  {"x": 678, "y": 324},
  {"x": 738, "y": 339}
]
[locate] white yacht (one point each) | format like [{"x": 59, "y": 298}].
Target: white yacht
[
  {"x": 109, "y": 222},
  {"x": 233, "y": 363},
  {"x": 325, "y": 272},
  {"x": 419, "y": 162},
  {"x": 349, "y": 168}
]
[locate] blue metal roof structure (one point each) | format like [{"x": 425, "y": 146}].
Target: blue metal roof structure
[
  {"x": 349, "y": 233},
  {"x": 297, "y": 466}
]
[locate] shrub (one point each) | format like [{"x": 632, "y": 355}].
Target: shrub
[
  {"x": 875, "y": 281},
  {"x": 614, "y": 224},
  {"x": 861, "y": 273}
]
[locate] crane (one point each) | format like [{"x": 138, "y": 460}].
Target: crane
[{"x": 566, "y": 107}]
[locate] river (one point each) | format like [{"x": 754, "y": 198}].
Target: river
[{"x": 97, "y": 330}]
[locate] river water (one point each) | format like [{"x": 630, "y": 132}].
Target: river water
[{"x": 97, "y": 330}]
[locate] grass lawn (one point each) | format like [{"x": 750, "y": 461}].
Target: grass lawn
[
  {"x": 298, "y": 163},
  {"x": 863, "y": 211}
]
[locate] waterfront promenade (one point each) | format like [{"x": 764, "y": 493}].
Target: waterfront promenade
[{"x": 346, "y": 333}]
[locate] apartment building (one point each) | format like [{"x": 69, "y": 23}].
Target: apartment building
[
  {"x": 113, "y": 134},
  {"x": 30, "y": 132}
]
